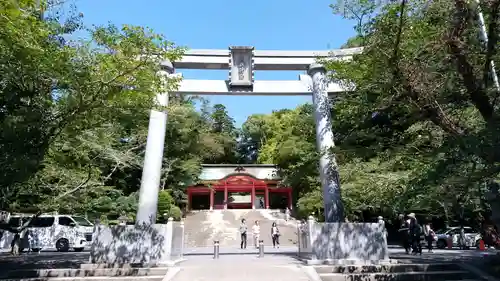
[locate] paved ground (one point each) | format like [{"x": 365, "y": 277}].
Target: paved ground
[
  {"x": 282, "y": 264},
  {"x": 289, "y": 250},
  {"x": 73, "y": 260},
  {"x": 277, "y": 264},
  {"x": 279, "y": 267},
  {"x": 247, "y": 270}
]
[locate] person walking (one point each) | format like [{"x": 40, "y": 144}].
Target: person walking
[
  {"x": 243, "y": 234},
  {"x": 404, "y": 232},
  {"x": 429, "y": 236},
  {"x": 415, "y": 233},
  {"x": 287, "y": 214},
  {"x": 256, "y": 234},
  {"x": 275, "y": 235}
]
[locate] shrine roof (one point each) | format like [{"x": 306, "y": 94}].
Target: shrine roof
[
  {"x": 220, "y": 171},
  {"x": 240, "y": 165}
]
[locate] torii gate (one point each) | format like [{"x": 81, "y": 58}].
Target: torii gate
[{"x": 241, "y": 62}]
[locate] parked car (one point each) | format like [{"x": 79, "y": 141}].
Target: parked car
[
  {"x": 62, "y": 232},
  {"x": 472, "y": 236}
]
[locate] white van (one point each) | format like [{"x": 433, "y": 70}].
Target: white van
[{"x": 61, "y": 232}]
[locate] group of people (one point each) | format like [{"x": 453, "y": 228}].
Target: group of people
[
  {"x": 275, "y": 234},
  {"x": 413, "y": 233}
]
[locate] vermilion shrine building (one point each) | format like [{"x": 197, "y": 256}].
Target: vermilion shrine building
[{"x": 227, "y": 186}]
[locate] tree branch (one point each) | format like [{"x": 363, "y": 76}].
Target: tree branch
[
  {"x": 436, "y": 114},
  {"x": 78, "y": 187},
  {"x": 395, "y": 54},
  {"x": 476, "y": 92},
  {"x": 18, "y": 229},
  {"x": 492, "y": 40}
]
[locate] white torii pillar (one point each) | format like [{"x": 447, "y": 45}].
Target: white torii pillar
[
  {"x": 153, "y": 159},
  {"x": 328, "y": 170}
]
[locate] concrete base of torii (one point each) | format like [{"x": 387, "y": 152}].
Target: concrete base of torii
[
  {"x": 144, "y": 244},
  {"x": 343, "y": 243}
]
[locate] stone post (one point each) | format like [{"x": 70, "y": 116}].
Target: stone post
[
  {"x": 182, "y": 239},
  {"x": 169, "y": 238},
  {"x": 329, "y": 176},
  {"x": 151, "y": 171},
  {"x": 310, "y": 236}
]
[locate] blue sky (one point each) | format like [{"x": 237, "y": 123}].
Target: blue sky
[{"x": 217, "y": 24}]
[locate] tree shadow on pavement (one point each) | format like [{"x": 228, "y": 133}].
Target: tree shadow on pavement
[{"x": 27, "y": 261}]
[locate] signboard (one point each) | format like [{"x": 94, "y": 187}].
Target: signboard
[{"x": 241, "y": 66}]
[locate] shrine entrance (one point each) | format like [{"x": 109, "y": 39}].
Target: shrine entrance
[
  {"x": 238, "y": 189},
  {"x": 199, "y": 200},
  {"x": 241, "y": 62}
]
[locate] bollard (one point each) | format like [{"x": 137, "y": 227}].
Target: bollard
[
  {"x": 482, "y": 247},
  {"x": 216, "y": 249},
  {"x": 261, "y": 248}
]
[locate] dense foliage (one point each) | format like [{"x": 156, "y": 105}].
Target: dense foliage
[{"x": 425, "y": 79}]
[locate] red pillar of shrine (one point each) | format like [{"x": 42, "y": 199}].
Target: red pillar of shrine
[
  {"x": 290, "y": 202},
  {"x": 189, "y": 198},
  {"x": 252, "y": 197},
  {"x": 225, "y": 197},
  {"x": 211, "y": 199},
  {"x": 266, "y": 197}
]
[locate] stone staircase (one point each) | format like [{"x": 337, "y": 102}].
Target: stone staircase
[
  {"x": 202, "y": 228},
  {"x": 395, "y": 272},
  {"x": 197, "y": 231},
  {"x": 288, "y": 230},
  {"x": 87, "y": 272},
  {"x": 280, "y": 216}
]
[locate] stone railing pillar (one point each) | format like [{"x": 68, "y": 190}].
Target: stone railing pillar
[
  {"x": 311, "y": 221},
  {"x": 182, "y": 239},
  {"x": 169, "y": 237}
]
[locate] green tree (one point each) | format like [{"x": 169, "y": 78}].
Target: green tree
[
  {"x": 251, "y": 137},
  {"x": 223, "y": 134},
  {"x": 221, "y": 121},
  {"x": 165, "y": 203},
  {"x": 82, "y": 111},
  {"x": 423, "y": 78},
  {"x": 66, "y": 104}
]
